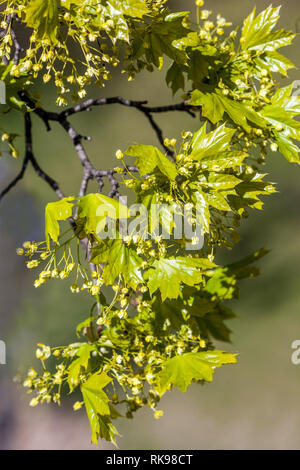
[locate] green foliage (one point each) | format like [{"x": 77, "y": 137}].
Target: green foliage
[
  {"x": 180, "y": 269},
  {"x": 60, "y": 210},
  {"x": 43, "y": 17},
  {"x": 149, "y": 157},
  {"x": 160, "y": 306},
  {"x": 182, "y": 370}
]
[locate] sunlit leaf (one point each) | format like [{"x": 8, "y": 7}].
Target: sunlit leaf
[{"x": 180, "y": 371}]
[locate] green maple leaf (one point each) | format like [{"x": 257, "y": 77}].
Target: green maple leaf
[
  {"x": 218, "y": 181},
  {"x": 223, "y": 160},
  {"x": 95, "y": 208},
  {"x": 42, "y": 16},
  {"x": 60, "y": 210},
  {"x": 214, "y": 325},
  {"x": 180, "y": 371},
  {"x": 160, "y": 213},
  {"x": 208, "y": 145},
  {"x": 79, "y": 364},
  {"x": 175, "y": 77},
  {"x": 132, "y": 8},
  {"x": 149, "y": 157},
  {"x": 203, "y": 214},
  {"x": 257, "y": 31},
  {"x": 162, "y": 36},
  {"x": 167, "y": 274},
  {"x": 281, "y": 115},
  {"x": 119, "y": 259},
  {"x": 274, "y": 62},
  {"x": 214, "y": 105},
  {"x": 97, "y": 407}
]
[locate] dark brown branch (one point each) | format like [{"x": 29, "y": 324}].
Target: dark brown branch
[
  {"x": 30, "y": 158},
  {"x": 139, "y": 105},
  {"x": 89, "y": 171},
  {"x": 160, "y": 136},
  {"x": 16, "y": 179},
  {"x": 17, "y": 47}
]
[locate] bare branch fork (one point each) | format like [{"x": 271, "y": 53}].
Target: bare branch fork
[
  {"x": 30, "y": 158},
  {"x": 89, "y": 171}
]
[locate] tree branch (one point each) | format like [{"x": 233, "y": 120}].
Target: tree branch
[
  {"x": 29, "y": 158},
  {"x": 89, "y": 170}
]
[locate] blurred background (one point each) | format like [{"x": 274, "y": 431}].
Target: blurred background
[{"x": 253, "y": 405}]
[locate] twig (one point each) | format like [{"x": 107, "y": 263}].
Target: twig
[
  {"x": 29, "y": 157},
  {"x": 89, "y": 170}
]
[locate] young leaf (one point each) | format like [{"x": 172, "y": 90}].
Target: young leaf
[
  {"x": 168, "y": 274},
  {"x": 214, "y": 105},
  {"x": 149, "y": 157},
  {"x": 119, "y": 259},
  {"x": 256, "y": 31},
  {"x": 60, "y": 210},
  {"x": 95, "y": 208},
  {"x": 224, "y": 160},
  {"x": 79, "y": 364},
  {"x": 207, "y": 145},
  {"x": 180, "y": 371},
  {"x": 175, "y": 78},
  {"x": 97, "y": 405},
  {"x": 275, "y": 62},
  {"x": 203, "y": 214},
  {"x": 132, "y": 8},
  {"x": 42, "y": 15}
]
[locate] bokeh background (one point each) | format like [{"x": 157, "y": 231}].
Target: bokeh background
[{"x": 253, "y": 405}]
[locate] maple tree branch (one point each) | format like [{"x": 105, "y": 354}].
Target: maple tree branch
[
  {"x": 30, "y": 158},
  {"x": 89, "y": 170}
]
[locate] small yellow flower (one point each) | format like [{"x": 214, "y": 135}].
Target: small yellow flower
[
  {"x": 82, "y": 93},
  {"x": 119, "y": 154},
  {"x": 124, "y": 302},
  {"x": 94, "y": 290},
  {"x": 27, "y": 383},
  {"x": 122, "y": 313},
  {"x": 70, "y": 267},
  {"x": 34, "y": 402},
  {"x": 205, "y": 14},
  {"x": 46, "y": 78},
  {"x": 32, "y": 373},
  {"x": 274, "y": 147},
  {"x": 32, "y": 264},
  {"x": 158, "y": 414},
  {"x": 144, "y": 289},
  {"x": 75, "y": 288},
  {"x": 77, "y": 406},
  {"x": 5, "y": 137},
  {"x": 28, "y": 65},
  {"x": 119, "y": 359}
]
